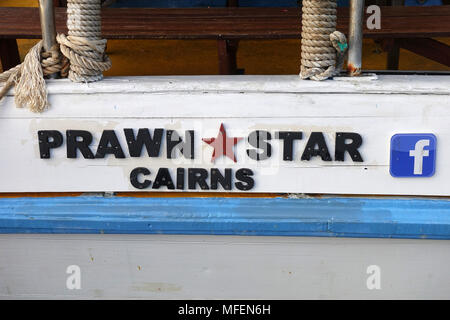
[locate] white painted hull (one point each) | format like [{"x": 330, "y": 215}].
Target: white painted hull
[
  {"x": 221, "y": 267},
  {"x": 374, "y": 109}
]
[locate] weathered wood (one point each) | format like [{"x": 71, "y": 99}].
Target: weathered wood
[
  {"x": 428, "y": 48},
  {"x": 9, "y": 53},
  {"x": 227, "y": 23}
]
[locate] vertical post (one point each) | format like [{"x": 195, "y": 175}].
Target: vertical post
[
  {"x": 227, "y": 50},
  {"x": 355, "y": 37},
  {"x": 48, "y": 26},
  {"x": 393, "y": 54}
]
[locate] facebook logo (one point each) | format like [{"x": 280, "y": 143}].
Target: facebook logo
[{"x": 413, "y": 155}]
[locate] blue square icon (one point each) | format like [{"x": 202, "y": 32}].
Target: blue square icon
[{"x": 413, "y": 155}]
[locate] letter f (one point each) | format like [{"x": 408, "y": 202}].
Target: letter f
[{"x": 418, "y": 153}]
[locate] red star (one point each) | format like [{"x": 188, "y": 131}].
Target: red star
[{"x": 223, "y": 145}]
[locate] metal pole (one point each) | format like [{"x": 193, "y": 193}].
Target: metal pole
[
  {"x": 48, "y": 26},
  {"x": 355, "y": 37}
]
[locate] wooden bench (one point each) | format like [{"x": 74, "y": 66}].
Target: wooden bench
[{"x": 409, "y": 27}]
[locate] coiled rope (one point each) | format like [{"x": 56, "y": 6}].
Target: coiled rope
[
  {"x": 323, "y": 48},
  {"x": 83, "y": 46},
  {"x": 83, "y": 57}
]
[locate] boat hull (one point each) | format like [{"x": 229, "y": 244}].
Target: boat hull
[{"x": 221, "y": 267}]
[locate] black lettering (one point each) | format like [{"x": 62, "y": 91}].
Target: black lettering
[
  {"x": 163, "y": 178},
  {"x": 316, "y": 139},
  {"x": 197, "y": 176},
  {"x": 74, "y": 143},
  {"x": 246, "y": 181},
  {"x": 288, "y": 138},
  {"x": 109, "y": 144},
  {"x": 258, "y": 139},
  {"x": 217, "y": 177},
  {"x": 48, "y": 139},
  {"x": 174, "y": 141},
  {"x": 135, "y": 144},
  {"x": 351, "y": 148},
  {"x": 180, "y": 178},
  {"x": 134, "y": 178}
]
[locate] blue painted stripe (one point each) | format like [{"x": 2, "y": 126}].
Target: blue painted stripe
[{"x": 338, "y": 217}]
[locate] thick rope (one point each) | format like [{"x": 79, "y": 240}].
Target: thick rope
[
  {"x": 323, "y": 48},
  {"x": 28, "y": 77},
  {"x": 83, "y": 47}
]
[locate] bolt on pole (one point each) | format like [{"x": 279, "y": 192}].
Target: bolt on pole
[
  {"x": 355, "y": 37},
  {"x": 48, "y": 26}
]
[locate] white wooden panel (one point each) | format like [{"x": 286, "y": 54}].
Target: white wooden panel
[
  {"x": 376, "y": 109},
  {"x": 221, "y": 267}
]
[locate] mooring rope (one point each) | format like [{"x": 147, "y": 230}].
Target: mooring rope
[
  {"x": 83, "y": 48},
  {"x": 323, "y": 48},
  {"x": 28, "y": 77}
]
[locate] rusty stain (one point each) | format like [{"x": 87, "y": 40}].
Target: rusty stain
[
  {"x": 353, "y": 70},
  {"x": 139, "y": 268}
]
